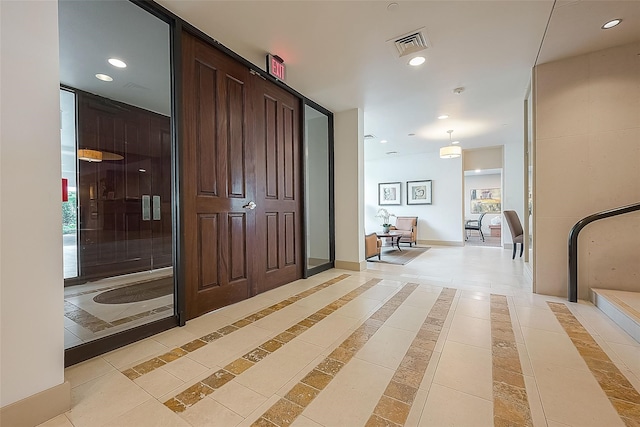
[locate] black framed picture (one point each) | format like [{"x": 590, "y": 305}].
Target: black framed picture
[
  {"x": 419, "y": 192},
  {"x": 389, "y": 193}
]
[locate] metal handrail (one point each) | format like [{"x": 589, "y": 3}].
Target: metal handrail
[{"x": 573, "y": 242}]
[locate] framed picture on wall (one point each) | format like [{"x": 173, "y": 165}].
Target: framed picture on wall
[
  {"x": 389, "y": 193},
  {"x": 419, "y": 192},
  {"x": 486, "y": 200}
]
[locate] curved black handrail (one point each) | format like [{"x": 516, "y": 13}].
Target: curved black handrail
[{"x": 573, "y": 243}]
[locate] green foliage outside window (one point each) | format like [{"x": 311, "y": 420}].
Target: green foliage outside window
[{"x": 69, "y": 218}]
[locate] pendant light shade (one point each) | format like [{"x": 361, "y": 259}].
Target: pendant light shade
[
  {"x": 89, "y": 155},
  {"x": 450, "y": 151}
]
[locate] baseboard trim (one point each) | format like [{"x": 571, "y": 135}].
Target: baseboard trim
[
  {"x": 38, "y": 408},
  {"x": 351, "y": 265},
  {"x": 440, "y": 243}
]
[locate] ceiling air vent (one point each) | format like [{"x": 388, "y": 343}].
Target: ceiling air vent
[
  {"x": 410, "y": 43},
  {"x": 135, "y": 86}
]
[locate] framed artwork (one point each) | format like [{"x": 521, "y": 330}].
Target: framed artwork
[
  {"x": 486, "y": 200},
  {"x": 389, "y": 193},
  {"x": 419, "y": 192}
]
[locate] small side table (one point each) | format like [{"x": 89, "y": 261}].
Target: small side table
[
  {"x": 393, "y": 235},
  {"x": 496, "y": 230}
]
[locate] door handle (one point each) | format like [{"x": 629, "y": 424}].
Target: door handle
[
  {"x": 156, "y": 208},
  {"x": 146, "y": 207},
  {"x": 251, "y": 205}
]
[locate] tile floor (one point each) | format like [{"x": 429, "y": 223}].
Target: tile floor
[
  {"x": 86, "y": 320},
  {"x": 453, "y": 338}
]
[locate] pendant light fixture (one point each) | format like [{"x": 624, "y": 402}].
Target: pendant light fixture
[{"x": 450, "y": 151}]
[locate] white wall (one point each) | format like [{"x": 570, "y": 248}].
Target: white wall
[
  {"x": 475, "y": 182},
  {"x": 513, "y": 194},
  {"x": 588, "y": 160},
  {"x": 31, "y": 315},
  {"x": 349, "y": 186},
  {"x": 439, "y": 222}
]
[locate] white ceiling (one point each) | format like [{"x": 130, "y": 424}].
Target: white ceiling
[{"x": 336, "y": 53}]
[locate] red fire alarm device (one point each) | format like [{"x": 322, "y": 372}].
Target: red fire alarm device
[{"x": 275, "y": 66}]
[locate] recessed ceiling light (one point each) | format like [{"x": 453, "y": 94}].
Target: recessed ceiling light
[
  {"x": 117, "y": 63},
  {"x": 104, "y": 77},
  {"x": 455, "y": 142},
  {"x": 384, "y": 141},
  {"x": 611, "y": 24},
  {"x": 478, "y": 171},
  {"x": 142, "y": 170},
  {"x": 391, "y": 152},
  {"x": 442, "y": 117},
  {"x": 418, "y": 60}
]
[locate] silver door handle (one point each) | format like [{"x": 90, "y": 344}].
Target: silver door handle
[
  {"x": 156, "y": 208},
  {"x": 250, "y": 205},
  {"x": 146, "y": 207}
]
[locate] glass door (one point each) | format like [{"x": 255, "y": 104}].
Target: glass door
[
  {"x": 318, "y": 149},
  {"x": 117, "y": 168}
]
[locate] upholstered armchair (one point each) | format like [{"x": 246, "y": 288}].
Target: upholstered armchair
[
  {"x": 408, "y": 226},
  {"x": 372, "y": 246}
]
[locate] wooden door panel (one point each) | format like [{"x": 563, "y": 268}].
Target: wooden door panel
[
  {"x": 237, "y": 141},
  {"x": 208, "y": 238},
  {"x": 272, "y": 243},
  {"x": 236, "y": 238},
  {"x": 278, "y": 187},
  {"x": 217, "y": 143},
  {"x": 289, "y": 239},
  {"x": 289, "y": 152},
  {"x": 206, "y": 150},
  {"x": 270, "y": 161}
]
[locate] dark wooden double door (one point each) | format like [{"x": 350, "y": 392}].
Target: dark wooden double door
[
  {"x": 124, "y": 200},
  {"x": 240, "y": 184}
]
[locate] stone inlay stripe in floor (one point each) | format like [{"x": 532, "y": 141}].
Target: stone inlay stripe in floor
[
  {"x": 176, "y": 353},
  {"x": 621, "y": 393},
  {"x": 95, "y": 324},
  {"x": 510, "y": 401},
  {"x": 288, "y": 408},
  {"x": 198, "y": 391},
  {"x": 395, "y": 403}
]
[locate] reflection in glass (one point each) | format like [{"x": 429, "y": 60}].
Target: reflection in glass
[
  {"x": 116, "y": 150},
  {"x": 317, "y": 169},
  {"x": 69, "y": 171}
]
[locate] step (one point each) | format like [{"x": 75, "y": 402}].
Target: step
[{"x": 622, "y": 307}]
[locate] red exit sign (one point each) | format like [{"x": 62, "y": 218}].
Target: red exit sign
[{"x": 275, "y": 66}]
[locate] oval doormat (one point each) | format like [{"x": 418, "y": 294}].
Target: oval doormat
[{"x": 140, "y": 291}]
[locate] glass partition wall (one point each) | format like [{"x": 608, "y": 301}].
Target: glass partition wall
[
  {"x": 116, "y": 144},
  {"x": 318, "y": 151}
]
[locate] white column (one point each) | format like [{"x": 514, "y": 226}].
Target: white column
[
  {"x": 31, "y": 283},
  {"x": 349, "y": 189}
]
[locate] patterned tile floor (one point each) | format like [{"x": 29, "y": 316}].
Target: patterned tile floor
[
  {"x": 454, "y": 338},
  {"x": 86, "y": 320}
]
